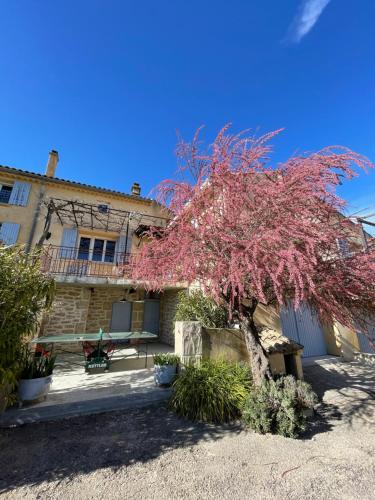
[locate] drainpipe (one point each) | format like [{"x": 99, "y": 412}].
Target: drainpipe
[
  {"x": 34, "y": 223},
  {"x": 52, "y": 162}
]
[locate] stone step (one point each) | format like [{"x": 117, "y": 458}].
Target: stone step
[{"x": 30, "y": 414}]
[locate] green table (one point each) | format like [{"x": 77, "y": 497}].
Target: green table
[{"x": 98, "y": 358}]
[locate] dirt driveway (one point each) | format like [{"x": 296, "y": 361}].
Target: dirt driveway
[{"x": 147, "y": 454}]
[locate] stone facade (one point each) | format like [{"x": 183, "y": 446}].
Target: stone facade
[
  {"x": 84, "y": 309},
  {"x": 168, "y": 305},
  {"x": 69, "y": 311},
  {"x": 100, "y": 309}
]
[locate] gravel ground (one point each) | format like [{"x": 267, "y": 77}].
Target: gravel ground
[{"x": 150, "y": 453}]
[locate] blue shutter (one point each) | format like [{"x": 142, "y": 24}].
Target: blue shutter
[
  {"x": 129, "y": 244},
  {"x": 20, "y": 193},
  {"x": 151, "y": 316},
  {"x": 9, "y": 233},
  {"x": 68, "y": 242},
  {"x": 124, "y": 244}
]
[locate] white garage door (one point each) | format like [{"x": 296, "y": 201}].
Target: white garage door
[{"x": 304, "y": 327}]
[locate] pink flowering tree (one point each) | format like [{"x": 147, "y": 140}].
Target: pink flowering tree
[{"x": 250, "y": 233}]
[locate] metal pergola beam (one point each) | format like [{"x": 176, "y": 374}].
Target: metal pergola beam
[{"x": 90, "y": 216}]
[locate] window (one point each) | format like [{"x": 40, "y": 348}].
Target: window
[
  {"x": 84, "y": 248},
  {"x": 103, "y": 209},
  {"x": 5, "y": 192},
  {"x": 96, "y": 249},
  {"x": 109, "y": 255}
]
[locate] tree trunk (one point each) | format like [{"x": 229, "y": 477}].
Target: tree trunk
[{"x": 260, "y": 365}]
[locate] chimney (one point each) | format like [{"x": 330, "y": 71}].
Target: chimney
[
  {"x": 136, "y": 189},
  {"x": 53, "y": 159}
]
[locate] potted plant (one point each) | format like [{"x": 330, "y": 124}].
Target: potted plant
[
  {"x": 36, "y": 375},
  {"x": 165, "y": 368}
]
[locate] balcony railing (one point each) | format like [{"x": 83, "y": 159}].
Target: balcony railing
[{"x": 68, "y": 261}]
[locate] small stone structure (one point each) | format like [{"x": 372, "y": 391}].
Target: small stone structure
[{"x": 192, "y": 342}]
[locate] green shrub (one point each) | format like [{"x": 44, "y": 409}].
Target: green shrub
[
  {"x": 278, "y": 406},
  {"x": 24, "y": 293},
  {"x": 198, "y": 307},
  {"x": 166, "y": 359},
  {"x": 213, "y": 391}
]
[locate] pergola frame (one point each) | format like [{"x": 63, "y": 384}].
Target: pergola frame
[{"x": 100, "y": 217}]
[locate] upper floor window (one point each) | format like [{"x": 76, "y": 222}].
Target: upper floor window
[
  {"x": 5, "y": 192},
  {"x": 16, "y": 194},
  {"x": 96, "y": 249},
  {"x": 103, "y": 209}
]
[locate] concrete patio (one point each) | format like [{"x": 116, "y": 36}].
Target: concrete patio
[{"x": 129, "y": 383}]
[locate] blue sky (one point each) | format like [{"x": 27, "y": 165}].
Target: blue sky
[{"x": 108, "y": 83}]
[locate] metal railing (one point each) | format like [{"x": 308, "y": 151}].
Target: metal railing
[{"x": 68, "y": 261}]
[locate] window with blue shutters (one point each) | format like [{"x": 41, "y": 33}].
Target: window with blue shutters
[
  {"x": 15, "y": 194},
  {"x": 20, "y": 193}
]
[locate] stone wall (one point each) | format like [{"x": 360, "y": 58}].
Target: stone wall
[
  {"x": 69, "y": 311},
  {"x": 193, "y": 342},
  {"x": 83, "y": 309},
  {"x": 100, "y": 309},
  {"x": 168, "y": 304},
  {"x": 347, "y": 341}
]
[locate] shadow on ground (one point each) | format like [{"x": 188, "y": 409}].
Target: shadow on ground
[
  {"x": 347, "y": 395},
  {"x": 51, "y": 451},
  {"x": 60, "y": 450}
]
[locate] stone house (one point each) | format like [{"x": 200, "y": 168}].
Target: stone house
[{"x": 88, "y": 235}]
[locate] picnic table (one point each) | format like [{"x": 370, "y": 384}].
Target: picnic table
[{"x": 98, "y": 348}]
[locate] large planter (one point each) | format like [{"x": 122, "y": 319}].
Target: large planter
[
  {"x": 34, "y": 388},
  {"x": 164, "y": 374}
]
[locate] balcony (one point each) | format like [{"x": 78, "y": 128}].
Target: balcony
[{"x": 67, "y": 264}]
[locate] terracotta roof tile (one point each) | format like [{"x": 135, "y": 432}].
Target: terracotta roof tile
[{"x": 57, "y": 180}]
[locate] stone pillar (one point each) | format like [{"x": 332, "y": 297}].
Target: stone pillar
[
  {"x": 168, "y": 305},
  {"x": 137, "y": 311},
  {"x": 298, "y": 364},
  {"x": 188, "y": 340}
]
